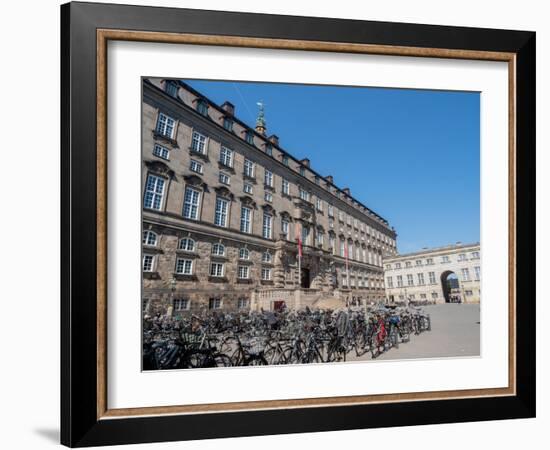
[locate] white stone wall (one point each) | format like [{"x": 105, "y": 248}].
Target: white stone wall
[{"x": 455, "y": 258}]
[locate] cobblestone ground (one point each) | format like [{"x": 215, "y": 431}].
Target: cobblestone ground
[{"x": 455, "y": 332}]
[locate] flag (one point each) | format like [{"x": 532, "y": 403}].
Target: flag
[{"x": 299, "y": 247}]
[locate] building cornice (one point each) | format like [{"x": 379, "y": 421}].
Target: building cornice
[{"x": 457, "y": 248}]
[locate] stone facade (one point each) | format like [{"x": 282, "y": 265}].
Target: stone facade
[
  {"x": 223, "y": 205},
  {"x": 422, "y": 276}
]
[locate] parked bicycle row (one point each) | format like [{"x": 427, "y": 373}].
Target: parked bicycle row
[{"x": 271, "y": 338}]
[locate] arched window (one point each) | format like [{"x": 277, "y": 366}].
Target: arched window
[
  {"x": 218, "y": 249},
  {"x": 244, "y": 253},
  {"x": 187, "y": 244},
  {"x": 266, "y": 257},
  {"x": 150, "y": 238}
]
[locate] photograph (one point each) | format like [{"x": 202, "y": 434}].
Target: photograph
[{"x": 296, "y": 224}]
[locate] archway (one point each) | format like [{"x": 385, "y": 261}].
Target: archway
[{"x": 451, "y": 287}]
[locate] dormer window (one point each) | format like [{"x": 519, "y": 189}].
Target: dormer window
[
  {"x": 249, "y": 137},
  {"x": 171, "y": 88},
  {"x": 302, "y": 171},
  {"x": 202, "y": 107},
  {"x": 285, "y": 160},
  {"x": 228, "y": 124},
  {"x": 269, "y": 150}
]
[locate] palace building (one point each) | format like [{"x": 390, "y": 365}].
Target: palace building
[
  {"x": 233, "y": 221},
  {"x": 450, "y": 274}
]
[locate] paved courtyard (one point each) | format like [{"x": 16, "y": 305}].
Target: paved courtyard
[{"x": 455, "y": 332}]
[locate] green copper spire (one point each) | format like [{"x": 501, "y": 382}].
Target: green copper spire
[{"x": 260, "y": 121}]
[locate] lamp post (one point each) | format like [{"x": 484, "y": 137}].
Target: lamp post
[{"x": 173, "y": 283}]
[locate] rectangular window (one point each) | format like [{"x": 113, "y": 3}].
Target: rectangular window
[
  {"x": 418, "y": 262},
  {"x": 319, "y": 204},
  {"x": 423, "y": 296},
  {"x": 462, "y": 257},
  {"x": 242, "y": 303},
  {"x": 342, "y": 248},
  {"x": 399, "y": 281},
  {"x": 250, "y": 137},
  {"x": 330, "y": 223},
  {"x": 420, "y": 279},
  {"x": 248, "y": 188},
  {"x": 184, "y": 266},
  {"x": 285, "y": 228},
  {"x": 148, "y": 263},
  {"x": 226, "y": 156},
  {"x": 246, "y": 219},
  {"x": 408, "y": 264},
  {"x": 332, "y": 244},
  {"x": 249, "y": 168},
  {"x": 216, "y": 269},
  {"x": 477, "y": 272},
  {"x": 465, "y": 274},
  {"x": 224, "y": 178},
  {"x": 267, "y": 226},
  {"x": 304, "y": 195},
  {"x": 285, "y": 188},
  {"x": 171, "y": 88},
  {"x": 154, "y": 191},
  {"x": 220, "y": 215},
  {"x": 161, "y": 152},
  {"x": 434, "y": 295},
  {"x": 191, "y": 203},
  {"x": 341, "y": 216},
  {"x": 305, "y": 235},
  {"x": 214, "y": 303},
  {"x": 266, "y": 274},
  {"x": 166, "y": 125},
  {"x": 331, "y": 210},
  {"x": 303, "y": 171},
  {"x": 319, "y": 238},
  {"x": 285, "y": 160},
  {"x": 243, "y": 272},
  {"x": 389, "y": 281},
  {"x": 475, "y": 255},
  {"x": 469, "y": 293},
  {"x": 268, "y": 197},
  {"x": 431, "y": 276},
  {"x": 445, "y": 259},
  {"x": 268, "y": 178},
  {"x": 181, "y": 304},
  {"x": 228, "y": 124},
  {"x": 202, "y": 107},
  {"x": 269, "y": 150},
  {"x": 429, "y": 261},
  {"x": 196, "y": 166},
  {"x": 198, "y": 143}
]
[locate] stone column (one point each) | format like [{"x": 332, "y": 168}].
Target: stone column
[{"x": 279, "y": 270}]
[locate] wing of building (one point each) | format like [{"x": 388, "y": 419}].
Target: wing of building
[
  {"x": 450, "y": 274},
  {"x": 231, "y": 220}
]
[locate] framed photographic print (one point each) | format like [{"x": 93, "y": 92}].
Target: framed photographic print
[{"x": 277, "y": 224}]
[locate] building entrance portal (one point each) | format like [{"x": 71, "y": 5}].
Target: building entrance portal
[
  {"x": 304, "y": 279},
  {"x": 451, "y": 287}
]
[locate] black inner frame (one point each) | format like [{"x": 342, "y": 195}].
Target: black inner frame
[{"x": 79, "y": 424}]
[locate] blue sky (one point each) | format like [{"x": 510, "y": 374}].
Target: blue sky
[{"x": 410, "y": 155}]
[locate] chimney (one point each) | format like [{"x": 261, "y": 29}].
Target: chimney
[
  {"x": 274, "y": 139},
  {"x": 305, "y": 162},
  {"x": 329, "y": 179},
  {"x": 347, "y": 191},
  {"x": 229, "y": 108}
]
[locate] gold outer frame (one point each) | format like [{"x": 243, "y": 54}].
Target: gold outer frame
[{"x": 104, "y": 35}]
